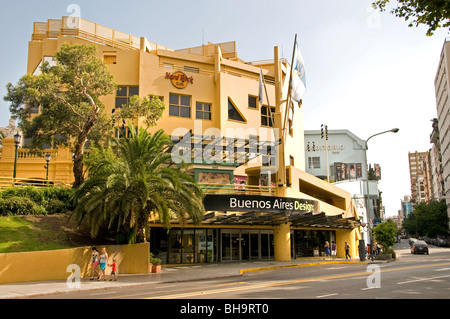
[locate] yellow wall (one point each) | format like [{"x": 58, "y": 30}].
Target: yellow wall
[{"x": 52, "y": 264}]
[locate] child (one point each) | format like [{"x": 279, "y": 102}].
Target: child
[{"x": 113, "y": 270}]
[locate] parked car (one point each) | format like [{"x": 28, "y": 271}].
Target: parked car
[
  {"x": 419, "y": 247},
  {"x": 442, "y": 242}
]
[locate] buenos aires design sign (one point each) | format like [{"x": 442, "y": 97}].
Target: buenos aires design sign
[{"x": 255, "y": 203}]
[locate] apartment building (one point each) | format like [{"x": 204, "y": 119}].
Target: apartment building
[{"x": 442, "y": 89}]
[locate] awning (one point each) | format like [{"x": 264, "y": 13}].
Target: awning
[
  {"x": 320, "y": 220},
  {"x": 196, "y": 148}
]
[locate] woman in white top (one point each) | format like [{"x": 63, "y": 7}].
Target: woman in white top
[{"x": 103, "y": 263}]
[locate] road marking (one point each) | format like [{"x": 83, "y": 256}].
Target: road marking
[
  {"x": 103, "y": 293},
  {"x": 442, "y": 269},
  {"x": 329, "y": 295},
  {"x": 423, "y": 279},
  {"x": 281, "y": 283}
]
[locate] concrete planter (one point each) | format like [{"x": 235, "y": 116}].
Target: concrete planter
[
  {"x": 156, "y": 268},
  {"x": 383, "y": 257}
]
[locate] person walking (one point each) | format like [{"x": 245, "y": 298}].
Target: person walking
[
  {"x": 347, "y": 251},
  {"x": 94, "y": 262},
  {"x": 103, "y": 263},
  {"x": 327, "y": 249},
  {"x": 113, "y": 270},
  {"x": 333, "y": 250}
]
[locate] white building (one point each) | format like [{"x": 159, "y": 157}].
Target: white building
[
  {"x": 442, "y": 89},
  {"x": 346, "y": 168}
]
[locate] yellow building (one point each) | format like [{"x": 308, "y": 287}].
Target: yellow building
[{"x": 249, "y": 158}]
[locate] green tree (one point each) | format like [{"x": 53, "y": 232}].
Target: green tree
[
  {"x": 385, "y": 234},
  {"x": 133, "y": 179},
  {"x": 68, "y": 96},
  {"x": 432, "y": 13},
  {"x": 428, "y": 219}
]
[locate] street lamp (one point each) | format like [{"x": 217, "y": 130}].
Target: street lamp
[
  {"x": 369, "y": 226},
  {"x": 48, "y": 157},
  {"x": 17, "y": 139}
]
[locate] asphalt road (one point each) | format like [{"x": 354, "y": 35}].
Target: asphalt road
[{"x": 410, "y": 277}]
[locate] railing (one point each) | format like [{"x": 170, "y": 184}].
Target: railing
[
  {"x": 24, "y": 182},
  {"x": 24, "y": 153},
  {"x": 237, "y": 189}
]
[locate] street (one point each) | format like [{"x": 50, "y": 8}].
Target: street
[{"x": 410, "y": 276}]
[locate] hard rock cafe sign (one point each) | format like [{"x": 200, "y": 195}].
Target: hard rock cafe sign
[{"x": 179, "y": 79}]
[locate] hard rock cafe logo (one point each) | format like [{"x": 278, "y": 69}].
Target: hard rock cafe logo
[{"x": 179, "y": 79}]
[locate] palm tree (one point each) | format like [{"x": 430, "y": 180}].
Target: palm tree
[{"x": 132, "y": 180}]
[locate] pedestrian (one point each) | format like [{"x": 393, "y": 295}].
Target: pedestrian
[
  {"x": 347, "y": 251},
  {"x": 333, "y": 250},
  {"x": 103, "y": 263},
  {"x": 94, "y": 261},
  {"x": 113, "y": 270},
  {"x": 327, "y": 249}
]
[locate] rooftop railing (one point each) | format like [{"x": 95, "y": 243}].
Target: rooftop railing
[
  {"x": 73, "y": 26},
  {"x": 237, "y": 189}
]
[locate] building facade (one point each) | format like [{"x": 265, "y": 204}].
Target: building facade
[
  {"x": 248, "y": 158},
  {"x": 420, "y": 177},
  {"x": 346, "y": 169},
  {"x": 442, "y": 89},
  {"x": 436, "y": 163}
]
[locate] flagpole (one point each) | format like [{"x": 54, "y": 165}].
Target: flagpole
[{"x": 288, "y": 101}]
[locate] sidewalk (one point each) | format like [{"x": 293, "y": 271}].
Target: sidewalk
[{"x": 169, "y": 273}]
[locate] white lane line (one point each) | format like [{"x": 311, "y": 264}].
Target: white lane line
[
  {"x": 423, "y": 279},
  {"x": 442, "y": 269},
  {"x": 329, "y": 295}
]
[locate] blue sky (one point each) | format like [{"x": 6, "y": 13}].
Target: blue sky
[{"x": 366, "y": 72}]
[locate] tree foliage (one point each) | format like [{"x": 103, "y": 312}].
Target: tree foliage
[
  {"x": 427, "y": 219},
  {"x": 385, "y": 234},
  {"x": 132, "y": 179},
  {"x": 68, "y": 96},
  {"x": 432, "y": 13}
]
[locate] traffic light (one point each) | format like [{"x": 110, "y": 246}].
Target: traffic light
[{"x": 324, "y": 131}]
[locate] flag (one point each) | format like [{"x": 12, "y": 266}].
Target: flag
[
  {"x": 260, "y": 89},
  {"x": 298, "y": 79}
]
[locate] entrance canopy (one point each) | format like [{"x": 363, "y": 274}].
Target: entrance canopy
[
  {"x": 235, "y": 209},
  {"x": 320, "y": 220}
]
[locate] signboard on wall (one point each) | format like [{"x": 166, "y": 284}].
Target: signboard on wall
[{"x": 258, "y": 203}]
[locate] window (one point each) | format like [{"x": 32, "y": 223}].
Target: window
[
  {"x": 179, "y": 105},
  {"x": 191, "y": 69},
  {"x": 267, "y": 117},
  {"x": 233, "y": 113},
  {"x": 252, "y": 102},
  {"x": 203, "y": 111},
  {"x": 313, "y": 162},
  {"x": 110, "y": 57},
  {"x": 124, "y": 93}
]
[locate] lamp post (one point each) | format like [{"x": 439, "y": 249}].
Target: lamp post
[
  {"x": 369, "y": 226},
  {"x": 48, "y": 157},
  {"x": 17, "y": 139}
]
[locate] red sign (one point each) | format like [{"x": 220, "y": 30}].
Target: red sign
[{"x": 179, "y": 79}]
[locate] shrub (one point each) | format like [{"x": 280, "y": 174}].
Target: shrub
[
  {"x": 16, "y": 205},
  {"x": 56, "y": 206},
  {"x": 33, "y": 200}
]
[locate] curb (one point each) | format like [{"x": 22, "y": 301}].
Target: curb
[{"x": 242, "y": 271}]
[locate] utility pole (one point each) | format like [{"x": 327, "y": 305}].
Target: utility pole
[{"x": 324, "y": 134}]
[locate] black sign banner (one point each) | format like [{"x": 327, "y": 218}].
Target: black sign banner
[{"x": 257, "y": 203}]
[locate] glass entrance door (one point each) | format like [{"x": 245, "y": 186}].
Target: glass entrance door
[{"x": 240, "y": 245}]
